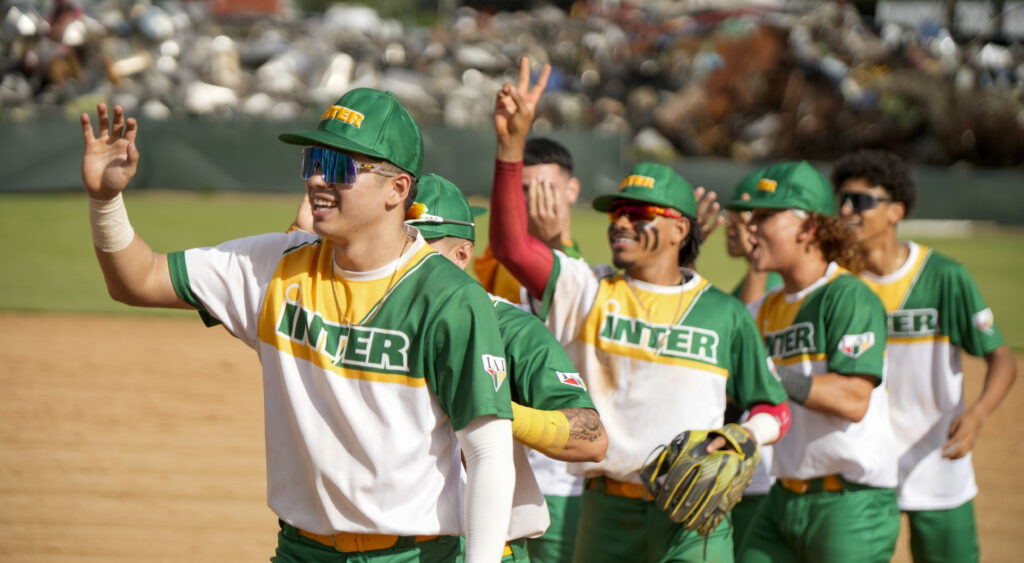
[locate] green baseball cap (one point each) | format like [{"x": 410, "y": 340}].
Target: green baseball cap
[
  {"x": 748, "y": 186},
  {"x": 790, "y": 185},
  {"x": 370, "y": 122},
  {"x": 656, "y": 184},
  {"x": 441, "y": 210}
]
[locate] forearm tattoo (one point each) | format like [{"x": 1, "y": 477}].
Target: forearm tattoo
[{"x": 584, "y": 424}]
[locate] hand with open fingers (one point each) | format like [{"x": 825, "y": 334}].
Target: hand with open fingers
[
  {"x": 697, "y": 487},
  {"x": 708, "y": 211},
  {"x": 111, "y": 158},
  {"x": 516, "y": 106},
  {"x": 963, "y": 432},
  {"x": 545, "y": 212}
]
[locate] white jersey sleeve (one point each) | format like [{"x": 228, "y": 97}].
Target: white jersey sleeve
[{"x": 229, "y": 281}]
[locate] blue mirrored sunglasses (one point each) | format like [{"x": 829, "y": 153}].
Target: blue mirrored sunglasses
[{"x": 336, "y": 166}]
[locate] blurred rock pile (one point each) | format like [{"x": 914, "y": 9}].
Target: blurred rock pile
[{"x": 743, "y": 83}]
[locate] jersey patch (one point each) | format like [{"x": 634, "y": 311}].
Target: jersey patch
[
  {"x": 571, "y": 379},
  {"x": 853, "y": 345},
  {"x": 984, "y": 321},
  {"x": 495, "y": 365}
]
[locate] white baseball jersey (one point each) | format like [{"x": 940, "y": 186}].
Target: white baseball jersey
[
  {"x": 935, "y": 312},
  {"x": 835, "y": 325},
  {"x": 657, "y": 360},
  {"x": 365, "y": 375}
]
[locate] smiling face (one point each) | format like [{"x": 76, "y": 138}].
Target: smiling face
[
  {"x": 777, "y": 239},
  {"x": 638, "y": 240},
  {"x": 868, "y": 210},
  {"x": 340, "y": 210}
]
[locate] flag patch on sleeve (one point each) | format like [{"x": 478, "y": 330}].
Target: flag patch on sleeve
[
  {"x": 572, "y": 379},
  {"x": 853, "y": 345},
  {"x": 495, "y": 366},
  {"x": 984, "y": 321}
]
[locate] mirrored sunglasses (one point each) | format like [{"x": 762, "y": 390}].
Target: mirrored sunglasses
[
  {"x": 640, "y": 212},
  {"x": 336, "y": 166},
  {"x": 860, "y": 202}
]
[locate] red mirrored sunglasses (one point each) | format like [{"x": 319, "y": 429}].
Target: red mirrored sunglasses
[{"x": 640, "y": 212}]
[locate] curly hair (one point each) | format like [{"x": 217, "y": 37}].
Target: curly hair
[
  {"x": 878, "y": 168},
  {"x": 690, "y": 248},
  {"x": 837, "y": 242}
]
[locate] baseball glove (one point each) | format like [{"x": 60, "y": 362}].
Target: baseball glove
[{"x": 698, "y": 489}]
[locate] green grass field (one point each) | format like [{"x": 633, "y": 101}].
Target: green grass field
[{"x": 49, "y": 265}]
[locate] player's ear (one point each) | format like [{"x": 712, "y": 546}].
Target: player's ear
[
  {"x": 896, "y": 211},
  {"x": 463, "y": 254},
  {"x": 399, "y": 189},
  {"x": 572, "y": 190}
]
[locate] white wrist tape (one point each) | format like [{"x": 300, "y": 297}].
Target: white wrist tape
[
  {"x": 111, "y": 230},
  {"x": 763, "y": 427}
]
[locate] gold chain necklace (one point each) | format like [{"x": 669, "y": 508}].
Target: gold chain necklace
[
  {"x": 380, "y": 302},
  {"x": 650, "y": 321}
]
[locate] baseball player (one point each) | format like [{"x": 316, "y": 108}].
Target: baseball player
[
  {"x": 381, "y": 359},
  {"x": 935, "y": 314},
  {"x": 554, "y": 416},
  {"x": 659, "y": 348},
  {"x": 551, "y": 189},
  {"x": 834, "y": 497}
]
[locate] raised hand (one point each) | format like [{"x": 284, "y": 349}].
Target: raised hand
[
  {"x": 111, "y": 158},
  {"x": 708, "y": 211},
  {"x": 514, "y": 110}
]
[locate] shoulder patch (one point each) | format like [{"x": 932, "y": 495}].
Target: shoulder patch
[
  {"x": 853, "y": 345},
  {"x": 495, "y": 365},
  {"x": 571, "y": 379},
  {"x": 984, "y": 321}
]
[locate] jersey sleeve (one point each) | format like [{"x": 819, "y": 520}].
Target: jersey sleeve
[
  {"x": 971, "y": 323},
  {"x": 543, "y": 376},
  {"x": 854, "y": 321},
  {"x": 470, "y": 372},
  {"x": 227, "y": 283},
  {"x": 751, "y": 378},
  {"x": 568, "y": 296}
]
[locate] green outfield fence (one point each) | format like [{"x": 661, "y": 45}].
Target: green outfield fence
[{"x": 245, "y": 155}]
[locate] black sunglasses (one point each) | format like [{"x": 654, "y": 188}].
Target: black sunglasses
[{"x": 860, "y": 202}]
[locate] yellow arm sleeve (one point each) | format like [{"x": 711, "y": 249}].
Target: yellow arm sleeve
[{"x": 544, "y": 431}]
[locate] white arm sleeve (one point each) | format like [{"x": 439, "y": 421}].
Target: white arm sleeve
[{"x": 490, "y": 475}]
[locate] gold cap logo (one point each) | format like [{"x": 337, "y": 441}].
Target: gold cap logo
[
  {"x": 342, "y": 113},
  {"x": 766, "y": 185},
  {"x": 636, "y": 180}
]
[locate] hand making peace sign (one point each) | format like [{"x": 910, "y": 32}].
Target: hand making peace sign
[{"x": 514, "y": 110}]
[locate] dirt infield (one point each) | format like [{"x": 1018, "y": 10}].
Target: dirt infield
[{"x": 128, "y": 439}]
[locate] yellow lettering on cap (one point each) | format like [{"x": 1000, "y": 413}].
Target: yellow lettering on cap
[
  {"x": 344, "y": 114},
  {"x": 637, "y": 180},
  {"x": 766, "y": 185}
]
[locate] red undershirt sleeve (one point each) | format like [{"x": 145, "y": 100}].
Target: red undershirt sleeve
[{"x": 528, "y": 259}]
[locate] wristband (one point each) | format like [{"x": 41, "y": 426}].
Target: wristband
[
  {"x": 544, "y": 431},
  {"x": 763, "y": 427},
  {"x": 111, "y": 230},
  {"x": 796, "y": 384}
]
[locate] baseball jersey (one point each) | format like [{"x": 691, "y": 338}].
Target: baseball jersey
[
  {"x": 935, "y": 312},
  {"x": 542, "y": 377},
  {"x": 657, "y": 360},
  {"x": 365, "y": 376},
  {"x": 834, "y": 325}
]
